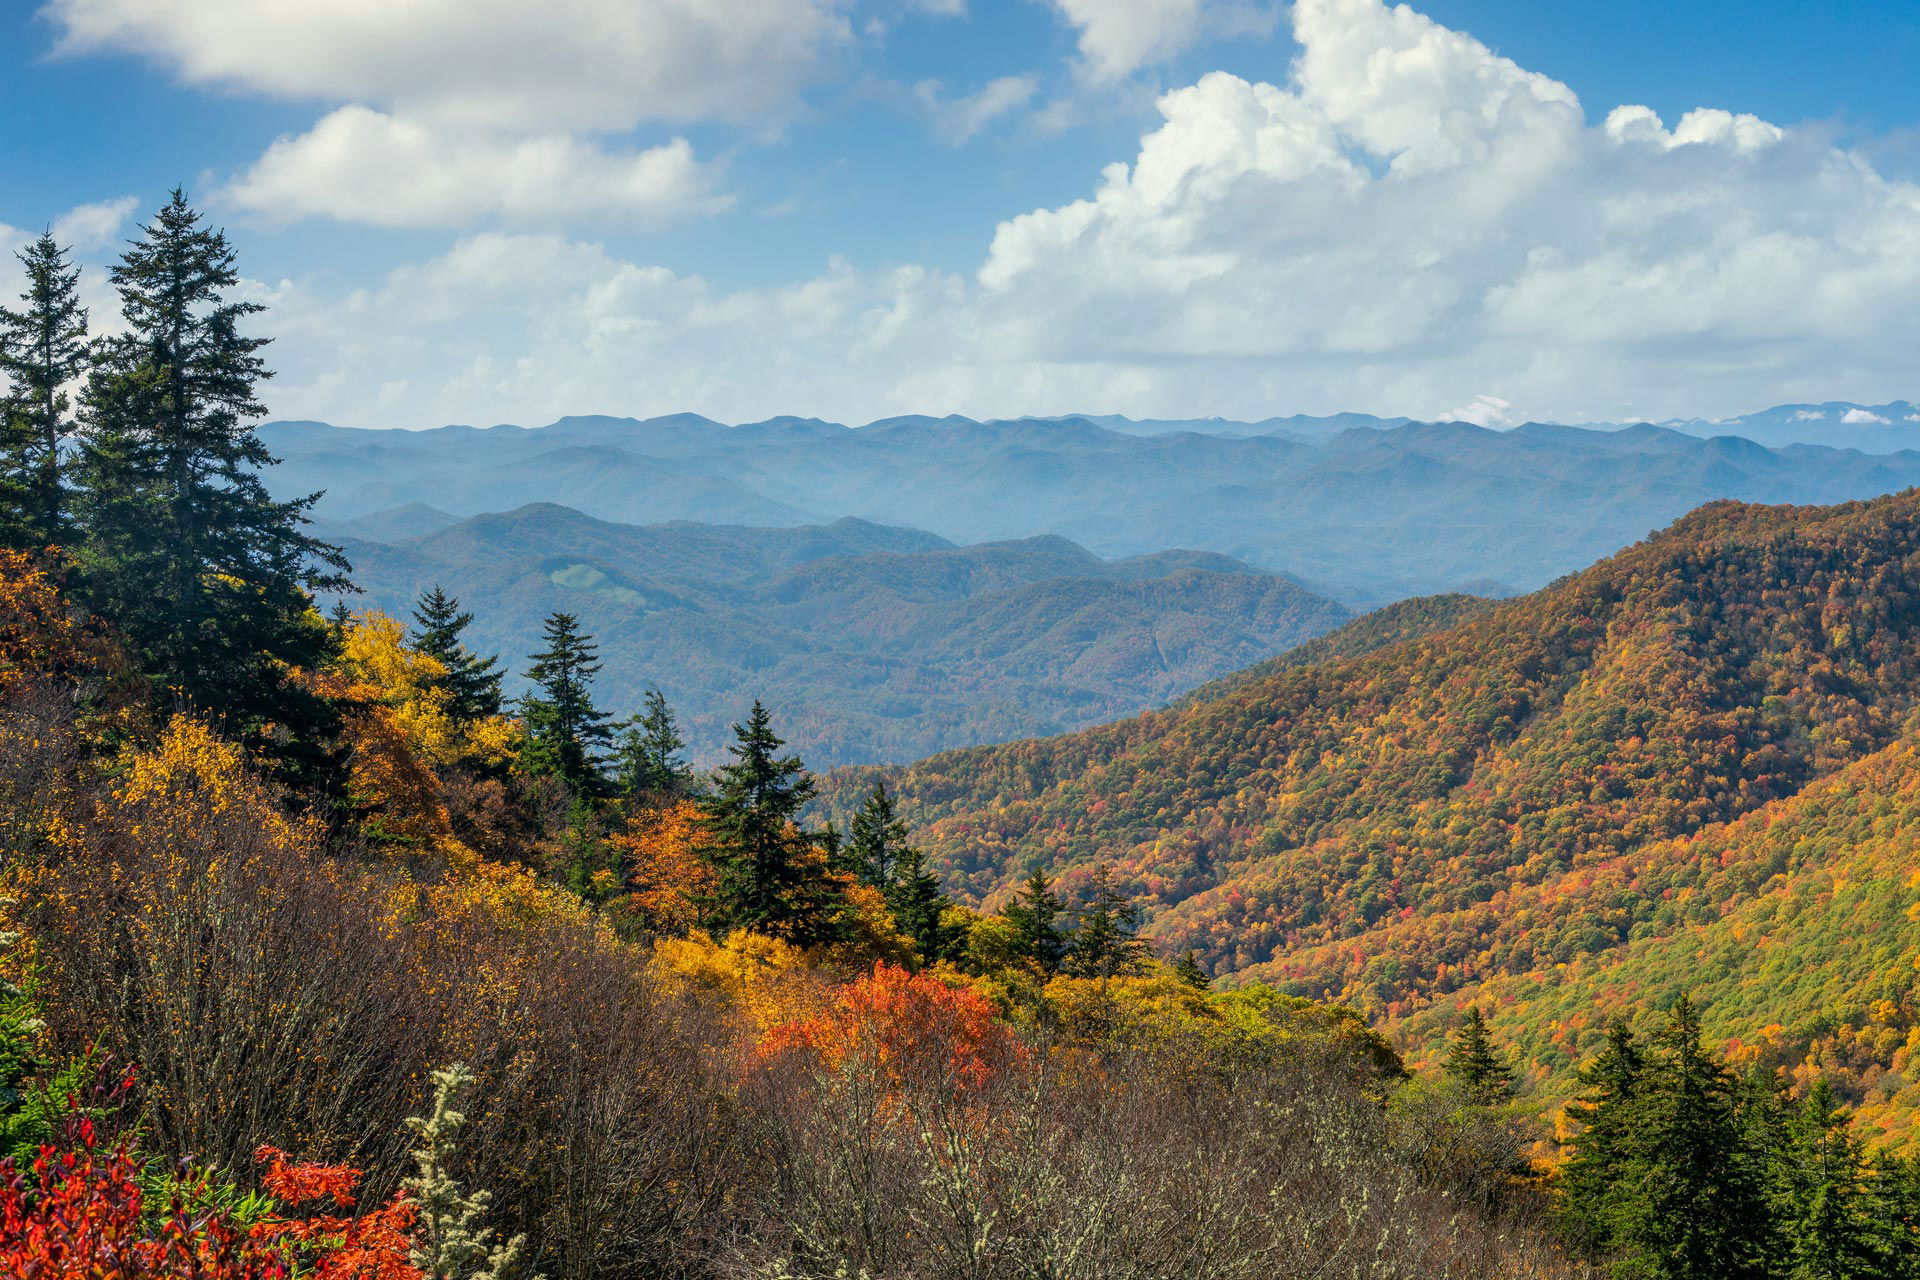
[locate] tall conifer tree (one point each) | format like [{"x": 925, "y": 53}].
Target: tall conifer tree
[
  {"x": 1035, "y": 914},
  {"x": 1105, "y": 942},
  {"x": 472, "y": 682},
  {"x": 877, "y": 840},
  {"x": 43, "y": 348},
  {"x": 1476, "y": 1062},
  {"x": 650, "y": 759},
  {"x": 205, "y": 575},
  {"x": 565, "y": 730}
]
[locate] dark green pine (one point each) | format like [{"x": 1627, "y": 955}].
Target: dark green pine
[
  {"x": 472, "y": 682},
  {"x": 565, "y": 730},
  {"x": 1476, "y": 1062},
  {"x": 43, "y": 348},
  {"x": 206, "y": 577},
  {"x": 651, "y": 757},
  {"x": 877, "y": 840},
  {"x": 919, "y": 907},
  {"x": 1035, "y": 913},
  {"x": 1187, "y": 969},
  {"x": 1106, "y": 927}
]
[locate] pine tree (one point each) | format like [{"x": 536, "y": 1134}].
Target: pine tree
[
  {"x": 1105, "y": 942},
  {"x": 919, "y": 907},
  {"x": 649, "y": 760},
  {"x": 773, "y": 877},
  {"x": 206, "y": 577},
  {"x": 1823, "y": 1194},
  {"x": 1608, "y": 1143},
  {"x": 1691, "y": 1206},
  {"x": 472, "y": 682},
  {"x": 564, "y": 729},
  {"x": 1476, "y": 1062},
  {"x": 43, "y": 348},
  {"x": 1035, "y": 914},
  {"x": 1188, "y": 970},
  {"x": 878, "y": 840}
]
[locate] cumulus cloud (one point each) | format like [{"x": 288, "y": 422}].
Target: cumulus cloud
[
  {"x": 1863, "y": 418},
  {"x": 957, "y": 120},
  {"x": 363, "y": 166},
  {"x": 94, "y": 226},
  {"x": 1407, "y": 220},
  {"x": 1118, "y": 37},
  {"x": 559, "y": 65}
]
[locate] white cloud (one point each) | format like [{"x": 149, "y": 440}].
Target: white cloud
[
  {"x": 1407, "y": 220},
  {"x": 1118, "y": 37},
  {"x": 1484, "y": 411},
  {"x": 558, "y": 65},
  {"x": 1863, "y": 417},
  {"x": 1809, "y": 415},
  {"x": 360, "y": 165},
  {"x": 94, "y": 226},
  {"x": 958, "y": 119}
]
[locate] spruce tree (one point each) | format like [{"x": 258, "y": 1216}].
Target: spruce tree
[
  {"x": 1035, "y": 914},
  {"x": 1477, "y": 1064},
  {"x": 772, "y": 875},
  {"x": 919, "y": 907},
  {"x": 565, "y": 731},
  {"x": 1830, "y": 1222},
  {"x": 1607, "y": 1148},
  {"x": 1188, "y": 970},
  {"x": 472, "y": 682},
  {"x": 43, "y": 348},
  {"x": 1105, "y": 942},
  {"x": 650, "y": 759},
  {"x": 878, "y": 840},
  {"x": 207, "y": 578}
]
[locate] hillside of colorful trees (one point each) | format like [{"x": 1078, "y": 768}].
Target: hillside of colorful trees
[{"x": 320, "y": 958}]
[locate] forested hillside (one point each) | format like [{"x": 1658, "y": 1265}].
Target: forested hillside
[
  {"x": 877, "y": 643},
  {"x": 1366, "y": 514},
  {"x": 1536, "y": 787}
]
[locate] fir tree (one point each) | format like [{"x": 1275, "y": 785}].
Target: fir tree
[
  {"x": 1188, "y": 970},
  {"x": 1607, "y": 1146},
  {"x": 205, "y": 576},
  {"x": 1475, "y": 1062},
  {"x": 1035, "y": 914},
  {"x": 878, "y": 840},
  {"x": 919, "y": 907},
  {"x": 1824, "y": 1202},
  {"x": 1105, "y": 942},
  {"x": 43, "y": 348},
  {"x": 650, "y": 759},
  {"x": 472, "y": 682},
  {"x": 564, "y": 729},
  {"x": 772, "y": 876}
]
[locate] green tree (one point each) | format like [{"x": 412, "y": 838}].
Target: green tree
[
  {"x": 564, "y": 729},
  {"x": 43, "y": 348},
  {"x": 772, "y": 875},
  {"x": 1823, "y": 1193},
  {"x": 472, "y": 682},
  {"x": 919, "y": 907},
  {"x": 1187, "y": 969},
  {"x": 650, "y": 758},
  {"x": 1476, "y": 1062},
  {"x": 877, "y": 840},
  {"x": 1035, "y": 913},
  {"x": 1105, "y": 940},
  {"x": 206, "y": 577},
  {"x": 450, "y": 1242},
  {"x": 1607, "y": 1146}
]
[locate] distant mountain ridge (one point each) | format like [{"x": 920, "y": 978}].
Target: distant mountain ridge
[
  {"x": 871, "y": 642},
  {"x": 1366, "y": 513}
]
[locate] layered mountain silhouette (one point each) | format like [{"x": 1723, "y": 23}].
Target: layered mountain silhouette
[
  {"x": 1368, "y": 512},
  {"x": 870, "y": 642}
]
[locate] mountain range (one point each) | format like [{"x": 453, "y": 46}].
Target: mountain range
[
  {"x": 869, "y": 642},
  {"x": 1364, "y": 513},
  {"x": 1689, "y": 767}
]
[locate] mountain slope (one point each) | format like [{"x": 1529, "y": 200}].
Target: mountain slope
[
  {"x": 1370, "y": 512},
  {"x": 1393, "y": 827},
  {"x": 870, "y": 642}
]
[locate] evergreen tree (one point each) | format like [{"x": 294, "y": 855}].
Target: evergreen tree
[
  {"x": 1035, "y": 914},
  {"x": 650, "y": 759},
  {"x": 472, "y": 682},
  {"x": 878, "y": 840},
  {"x": 1824, "y": 1201},
  {"x": 1475, "y": 1061},
  {"x": 919, "y": 907},
  {"x": 206, "y": 577},
  {"x": 1607, "y": 1146},
  {"x": 772, "y": 876},
  {"x": 1105, "y": 938},
  {"x": 43, "y": 348},
  {"x": 1691, "y": 1204},
  {"x": 564, "y": 729},
  {"x": 1188, "y": 970},
  {"x": 450, "y": 1243}
]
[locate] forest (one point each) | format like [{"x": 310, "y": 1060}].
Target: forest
[{"x": 322, "y": 958}]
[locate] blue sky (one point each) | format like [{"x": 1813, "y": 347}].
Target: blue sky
[{"x": 850, "y": 209}]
